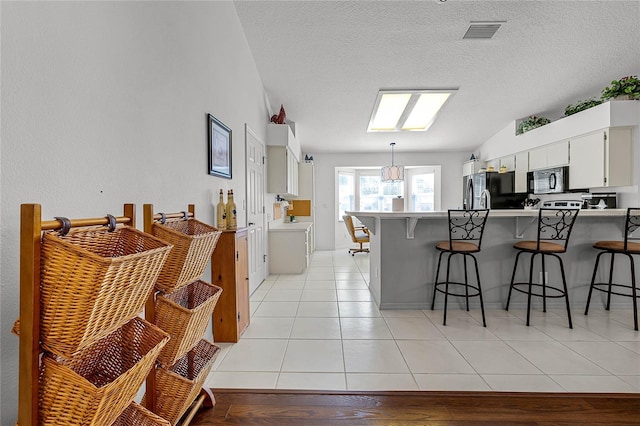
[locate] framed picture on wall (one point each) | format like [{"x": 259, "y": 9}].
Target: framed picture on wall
[{"x": 219, "y": 148}]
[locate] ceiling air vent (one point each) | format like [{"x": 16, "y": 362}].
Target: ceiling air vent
[{"x": 482, "y": 30}]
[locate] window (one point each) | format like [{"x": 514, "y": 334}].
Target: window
[
  {"x": 363, "y": 190},
  {"x": 423, "y": 182},
  {"x": 375, "y": 195},
  {"x": 346, "y": 192}
]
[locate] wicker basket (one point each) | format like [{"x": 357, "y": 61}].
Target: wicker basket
[
  {"x": 92, "y": 282},
  {"x": 137, "y": 415},
  {"x": 179, "y": 385},
  {"x": 193, "y": 242},
  {"x": 99, "y": 382},
  {"x": 185, "y": 314}
]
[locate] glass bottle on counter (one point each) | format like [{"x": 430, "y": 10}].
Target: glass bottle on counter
[
  {"x": 221, "y": 213},
  {"x": 232, "y": 220}
]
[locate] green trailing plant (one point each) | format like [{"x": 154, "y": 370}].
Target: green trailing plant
[
  {"x": 581, "y": 106},
  {"x": 628, "y": 86},
  {"x": 531, "y": 123}
]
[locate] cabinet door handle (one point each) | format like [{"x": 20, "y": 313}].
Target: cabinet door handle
[{"x": 251, "y": 223}]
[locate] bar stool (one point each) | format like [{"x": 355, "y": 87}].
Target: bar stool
[
  {"x": 465, "y": 236},
  {"x": 554, "y": 229},
  {"x": 627, "y": 248}
]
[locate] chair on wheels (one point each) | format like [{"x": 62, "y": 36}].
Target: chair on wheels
[
  {"x": 466, "y": 228},
  {"x": 359, "y": 235},
  {"x": 627, "y": 248},
  {"x": 554, "y": 229}
]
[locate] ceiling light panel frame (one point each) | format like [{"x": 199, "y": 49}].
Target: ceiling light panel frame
[{"x": 407, "y": 100}]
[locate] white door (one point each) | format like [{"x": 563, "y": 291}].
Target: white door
[{"x": 255, "y": 208}]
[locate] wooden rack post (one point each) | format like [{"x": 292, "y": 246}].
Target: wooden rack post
[
  {"x": 206, "y": 398},
  {"x": 31, "y": 227}
]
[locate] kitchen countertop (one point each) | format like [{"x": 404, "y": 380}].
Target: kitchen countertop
[
  {"x": 288, "y": 226},
  {"x": 492, "y": 213}
]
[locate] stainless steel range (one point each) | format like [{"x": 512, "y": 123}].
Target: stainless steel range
[{"x": 562, "y": 204}]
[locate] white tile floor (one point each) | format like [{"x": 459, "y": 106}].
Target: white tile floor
[{"x": 321, "y": 330}]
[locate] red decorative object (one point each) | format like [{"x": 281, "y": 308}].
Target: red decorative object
[{"x": 281, "y": 117}]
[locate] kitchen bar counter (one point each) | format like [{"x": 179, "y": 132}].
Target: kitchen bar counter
[{"x": 403, "y": 257}]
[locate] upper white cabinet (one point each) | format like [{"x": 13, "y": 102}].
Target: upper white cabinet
[
  {"x": 521, "y": 167},
  {"x": 283, "y": 155},
  {"x": 281, "y": 134},
  {"x": 472, "y": 166},
  {"x": 508, "y": 161},
  {"x": 282, "y": 171},
  {"x": 552, "y": 155},
  {"x": 600, "y": 159}
]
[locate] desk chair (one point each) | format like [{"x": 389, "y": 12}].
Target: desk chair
[
  {"x": 466, "y": 228},
  {"x": 554, "y": 229},
  {"x": 359, "y": 235},
  {"x": 628, "y": 247}
]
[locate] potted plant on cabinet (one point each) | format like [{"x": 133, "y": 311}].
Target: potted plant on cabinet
[
  {"x": 581, "y": 106},
  {"x": 626, "y": 88},
  {"x": 531, "y": 123}
]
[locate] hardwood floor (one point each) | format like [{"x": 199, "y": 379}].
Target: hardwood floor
[{"x": 251, "y": 407}]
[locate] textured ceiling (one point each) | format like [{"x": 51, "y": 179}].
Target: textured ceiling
[{"x": 326, "y": 60}]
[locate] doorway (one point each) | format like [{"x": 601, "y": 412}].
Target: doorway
[{"x": 256, "y": 217}]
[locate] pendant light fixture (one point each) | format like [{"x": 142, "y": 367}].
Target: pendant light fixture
[{"x": 392, "y": 173}]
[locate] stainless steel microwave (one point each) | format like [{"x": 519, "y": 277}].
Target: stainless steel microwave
[{"x": 548, "y": 181}]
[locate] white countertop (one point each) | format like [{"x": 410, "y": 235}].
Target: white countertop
[
  {"x": 492, "y": 213},
  {"x": 289, "y": 226}
]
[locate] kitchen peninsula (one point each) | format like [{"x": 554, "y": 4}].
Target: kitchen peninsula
[{"x": 403, "y": 257}]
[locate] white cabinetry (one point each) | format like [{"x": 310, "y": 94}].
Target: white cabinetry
[
  {"x": 602, "y": 158},
  {"x": 282, "y": 171},
  {"x": 283, "y": 154},
  {"x": 508, "y": 161},
  {"x": 289, "y": 248},
  {"x": 472, "y": 166},
  {"x": 552, "y": 155},
  {"x": 521, "y": 168}
]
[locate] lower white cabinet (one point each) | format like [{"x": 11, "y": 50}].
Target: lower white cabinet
[
  {"x": 289, "y": 247},
  {"x": 600, "y": 159}
]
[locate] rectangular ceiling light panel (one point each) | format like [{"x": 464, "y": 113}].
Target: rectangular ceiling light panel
[{"x": 406, "y": 110}]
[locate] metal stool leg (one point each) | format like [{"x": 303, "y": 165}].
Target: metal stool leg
[
  {"x": 593, "y": 280},
  {"x": 566, "y": 291},
  {"x": 634, "y": 294},
  {"x": 446, "y": 289},
  {"x": 533, "y": 257},
  {"x": 513, "y": 276},
  {"x": 610, "y": 281},
  {"x": 544, "y": 286},
  {"x": 466, "y": 280},
  {"x": 475, "y": 261},
  {"x": 435, "y": 284}
]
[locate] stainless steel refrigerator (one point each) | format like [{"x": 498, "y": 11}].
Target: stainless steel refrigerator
[{"x": 500, "y": 187}]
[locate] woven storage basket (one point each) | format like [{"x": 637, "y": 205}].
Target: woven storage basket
[
  {"x": 92, "y": 282},
  {"x": 193, "y": 242},
  {"x": 137, "y": 415},
  {"x": 99, "y": 382},
  {"x": 179, "y": 385},
  {"x": 185, "y": 314}
]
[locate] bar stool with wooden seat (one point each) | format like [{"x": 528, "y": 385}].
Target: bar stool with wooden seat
[
  {"x": 466, "y": 228},
  {"x": 627, "y": 248},
  {"x": 554, "y": 229}
]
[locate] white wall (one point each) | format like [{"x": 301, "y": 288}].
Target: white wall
[
  {"x": 105, "y": 103},
  {"x": 329, "y": 230}
]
